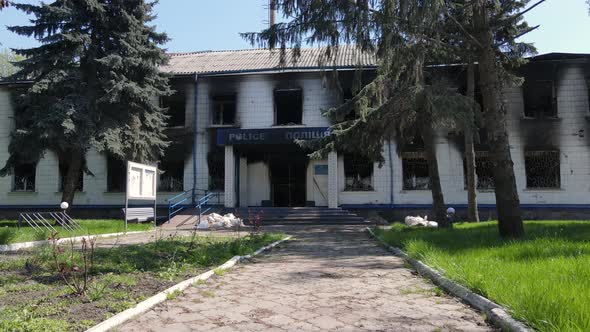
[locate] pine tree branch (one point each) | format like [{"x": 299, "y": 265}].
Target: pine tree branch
[{"x": 516, "y": 16}]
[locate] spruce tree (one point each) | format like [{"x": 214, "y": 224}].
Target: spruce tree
[
  {"x": 95, "y": 77},
  {"x": 406, "y": 35}
]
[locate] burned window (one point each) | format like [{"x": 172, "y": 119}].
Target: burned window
[
  {"x": 288, "y": 106},
  {"x": 483, "y": 171},
  {"x": 176, "y": 106},
  {"x": 542, "y": 169},
  {"x": 24, "y": 177},
  {"x": 358, "y": 173},
  {"x": 171, "y": 168},
  {"x": 116, "y": 174},
  {"x": 216, "y": 163},
  {"x": 171, "y": 176},
  {"x": 64, "y": 165},
  {"x": 224, "y": 110},
  {"x": 415, "y": 171},
  {"x": 539, "y": 99}
]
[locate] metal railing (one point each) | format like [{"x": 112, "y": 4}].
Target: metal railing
[
  {"x": 38, "y": 220},
  {"x": 188, "y": 198},
  {"x": 179, "y": 202},
  {"x": 204, "y": 202}
]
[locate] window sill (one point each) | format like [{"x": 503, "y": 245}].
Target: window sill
[
  {"x": 483, "y": 191},
  {"x": 235, "y": 125},
  {"x": 175, "y": 127},
  {"x": 289, "y": 126},
  {"x": 22, "y": 192},
  {"x": 543, "y": 189},
  {"x": 548, "y": 119},
  {"x": 407, "y": 191},
  {"x": 358, "y": 191}
]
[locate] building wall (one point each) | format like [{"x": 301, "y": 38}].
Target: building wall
[{"x": 570, "y": 133}]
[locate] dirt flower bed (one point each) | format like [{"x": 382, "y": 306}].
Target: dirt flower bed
[{"x": 37, "y": 290}]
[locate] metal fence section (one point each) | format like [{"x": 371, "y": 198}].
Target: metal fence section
[{"x": 40, "y": 221}]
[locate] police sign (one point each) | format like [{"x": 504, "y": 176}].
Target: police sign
[{"x": 269, "y": 136}]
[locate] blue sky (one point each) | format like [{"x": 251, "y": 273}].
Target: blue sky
[{"x": 195, "y": 25}]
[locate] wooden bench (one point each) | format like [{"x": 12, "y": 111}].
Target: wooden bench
[{"x": 140, "y": 214}]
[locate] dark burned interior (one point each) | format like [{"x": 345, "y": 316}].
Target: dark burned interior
[
  {"x": 176, "y": 103},
  {"x": 542, "y": 169},
  {"x": 24, "y": 177},
  {"x": 539, "y": 91},
  {"x": 288, "y": 106},
  {"x": 358, "y": 173},
  {"x": 224, "y": 109},
  {"x": 64, "y": 163},
  {"x": 171, "y": 166},
  {"x": 116, "y": 174}
]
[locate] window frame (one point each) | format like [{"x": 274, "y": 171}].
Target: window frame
[
  {"x": 526, "y": 169},
  {"x": 108, "y": 180},
  {"x": 223, "y": 99},
  {"x": 14, "y": 182},
  {"x": 414, "y": 155},
  {"x": 540, "y": 114},
  {"x": 276, "y": 108},
  {"x": 177, "y": 92},
  {"x": 370, "y": 164}
]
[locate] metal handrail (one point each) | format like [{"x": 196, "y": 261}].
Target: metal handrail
[
  {"x": 203, "y": 201},
  {"x": 175, "y": 203}
]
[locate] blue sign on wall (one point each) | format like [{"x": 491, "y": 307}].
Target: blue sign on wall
[
  {"x": 269, "y": 136},
  {"x": 321, "y": 170}
]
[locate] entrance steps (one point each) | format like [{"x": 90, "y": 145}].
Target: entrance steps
[
  {"x": 298, "y": 216},
  {"x": 274, "y": 216}
]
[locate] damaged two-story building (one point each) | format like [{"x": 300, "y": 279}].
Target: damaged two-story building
[{"x": 236, "y": 114}]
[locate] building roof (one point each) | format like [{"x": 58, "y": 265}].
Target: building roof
[
  {"x": 264, "y": 60},
  {"x": 560, "y": 56}
]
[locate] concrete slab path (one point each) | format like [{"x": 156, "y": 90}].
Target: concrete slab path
[{"x": 326, "y": 279}]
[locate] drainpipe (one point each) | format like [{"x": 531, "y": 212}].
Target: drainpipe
[
  {"x": 195, "y": 139},
  {"x": 390, "y": 174}
]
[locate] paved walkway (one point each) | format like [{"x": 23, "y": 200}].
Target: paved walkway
[{"x": 328, "y": 279}]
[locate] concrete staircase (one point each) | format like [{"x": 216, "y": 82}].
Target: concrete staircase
[{"x": 298, "y": 216}]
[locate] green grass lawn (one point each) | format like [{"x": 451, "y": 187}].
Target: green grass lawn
[
  {"x": 543, "y": 279},
  {"x": 10, "y": 233},
  {"x": 34, "y": 298}
]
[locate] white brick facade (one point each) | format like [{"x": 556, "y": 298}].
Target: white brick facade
[{"x": 255, "y": 110}]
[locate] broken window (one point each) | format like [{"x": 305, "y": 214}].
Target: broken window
[
  {"x": 539, "y": 99},
  {"x": 224, "y": 110},
  {"x": 483, "y": 169},
  {"x": 64, "y": 164},
  {"x": 116, "y": 174},
  {"x": 171, "y": 169},
  {"x": 176, "y": 106},
  {"x": 358, "y": 173},
  {"x": 24, "y": 177},
  {"x": 542, "y": 169},
  {"x": 216, "y": 163},
  {"x": 415, "y": 171},
  {"x": 288, "y": 106}
]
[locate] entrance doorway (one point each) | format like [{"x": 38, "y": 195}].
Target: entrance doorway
[{"x": 288, "y": 179}]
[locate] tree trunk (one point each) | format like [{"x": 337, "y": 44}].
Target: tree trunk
[
  {"x": 472, "y": 213},
  {"x": 438, "y": 200},
  {"x": 72, "y": 176},
  {"x": 507, "y": 202}
]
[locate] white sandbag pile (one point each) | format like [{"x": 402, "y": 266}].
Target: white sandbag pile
[
  {"x": 420, "y": 222},
  {"x": 215, "y": 220}
]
